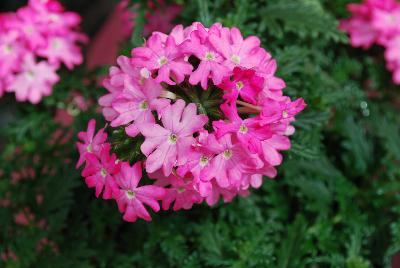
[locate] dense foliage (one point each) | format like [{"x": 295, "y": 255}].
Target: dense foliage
[{"x": 335, "y": 202}]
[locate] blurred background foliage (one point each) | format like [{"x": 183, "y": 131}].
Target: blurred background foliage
[{"x": 335, "y": 202}]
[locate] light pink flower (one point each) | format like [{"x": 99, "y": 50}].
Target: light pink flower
[
  {"x": 61, "y": 50},
  {"x": 169, "y": 145},
  {"x": 130, "y": 198},
  {"x": 210, "y": 60},
  {"x": 165, "y": 58},
  {"x": 136, "y": 104},
  {"x": 34, "y": 81},
  {"x": 236, "y": 50}
]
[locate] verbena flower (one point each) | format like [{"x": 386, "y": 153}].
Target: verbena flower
[
  {"x": 39, "y": 32},
  {"x": 131, "y": 197},
  {"x": 204, "y": 111},
  {"x": 376, "y": 22}
]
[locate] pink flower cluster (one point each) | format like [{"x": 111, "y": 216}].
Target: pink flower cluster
[
  {"x": 191, "y": 157},
  {"x": 376, "y": 22},
  {"x": 34, "y": 42}
]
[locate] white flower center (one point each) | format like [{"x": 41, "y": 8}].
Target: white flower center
[
  {"x": 8, "y": 48},
  {"x": 203, "y": 161},
  {"x": 172, "y": 138},
  {"x": 235, "y": 59},
  {"x": 180, "y": 190},
  {"x": 144, "y": 73},
  {"x": 285, "y": 114},
  {"x": 162, "y": 60},
  {"x": 239, "y": 85},
  {"x": 56, "y": 44},
  {"x": 89, "y": 148},
  {"x": 130, "y": 194},
  {"x": 144, "y": 105},
  {"x": 210, "y": 56},
  {"x": 227, "y": 154},
  {"x": 243, "y": 129},
  {"x": 30, "y": 75},
  {"x": 103, "y": 172},
  {"x": 29, "y": 29}
]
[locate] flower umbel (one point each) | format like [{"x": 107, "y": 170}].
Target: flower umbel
[{"x": 202, "y": 109}]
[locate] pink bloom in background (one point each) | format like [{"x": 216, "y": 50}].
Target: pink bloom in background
[
  {"x": 208, "y": 113},
  {"x": 117, "y": 28},
  {"x": 376, "y": 22},
  {"x": 34, "y": 42},
  {"x": 34, "y": 80},
  {"x": 159, "y": 16},
  {"x": 130, "y": 197}
]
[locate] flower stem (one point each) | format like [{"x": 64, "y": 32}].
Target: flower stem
[{"x": 250, "y": 107}]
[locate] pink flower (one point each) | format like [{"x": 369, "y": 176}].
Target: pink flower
[
  {"x": 244, "y": 83},
  {"x": 41, "y": 30},
  {"x": 231, "y": 160},
  {"x": 165, "y": 58},
  {"x": 193, "y": 161},
  {"x": 236, "y": 50},
  {"x": 180, "y": 191},
  {"x": 61, "y": 50},
  {"x": 34, "y": 81},
  {"x": 249, "y": 131},
  {"x": 99, "y": 171},
  {"x": 91, "y": 143},
  {"x": 115, "y": 83},
  {"x": 210, "y": 60},
  {"x": 136, "y": 104},
  {"x": 130, "y": 198},
  {"x": 376, "y": 22},
  {"x": 160, "y": 17},
  {"x": 169, "y": 145}
]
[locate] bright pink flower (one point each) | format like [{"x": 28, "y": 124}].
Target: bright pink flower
[
  {"x": 169, "y": 145},
  {"x": 91, "y": 143},
  {"x": 198, "y": 166},
  {"x": 165, "y": 58},
  {"x": 249, "y": 131},
  {"x": 34, "y": 81},
  {"x": 99, "y": 171},
  {"x": 180, "y": 191},
  {"x": 217, "y": 192},
  {"x": 130, "y": 198},
  {"x": 245, "y": 83},
  {"x": 210, "y": 60},
  {"x": 231, "y": 160}
]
